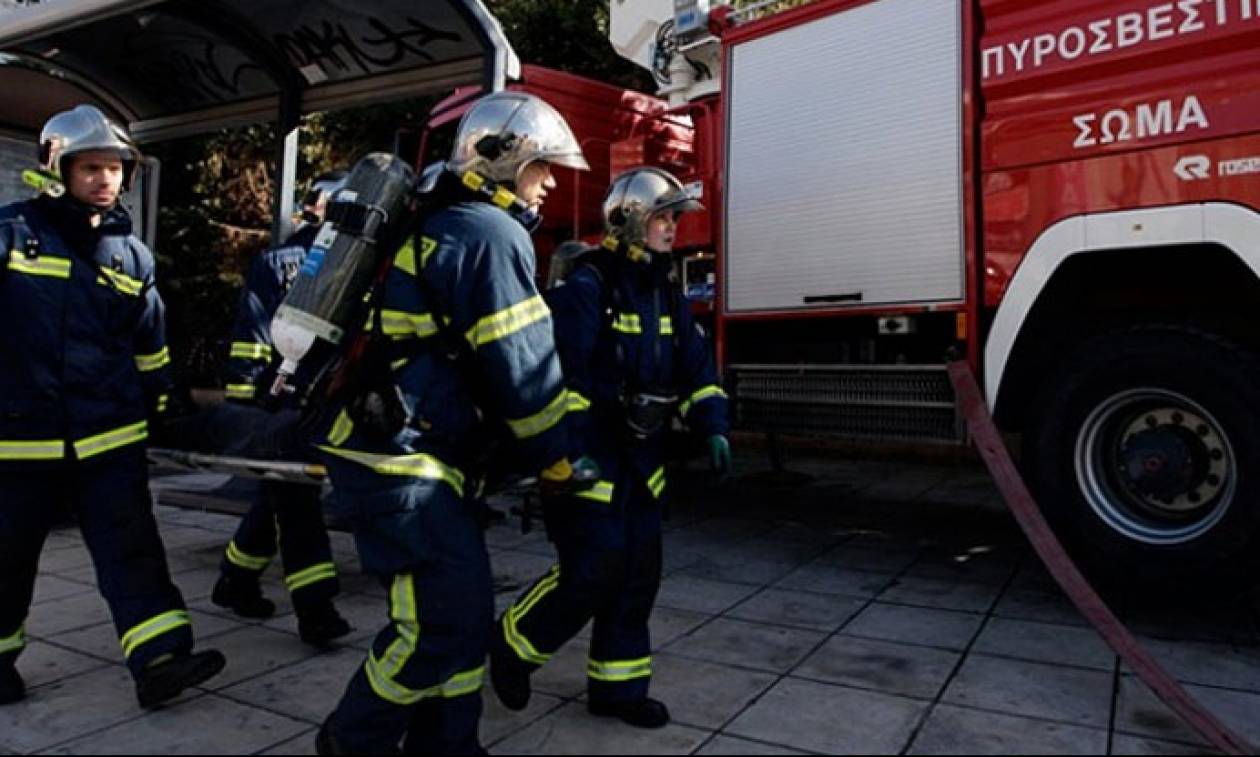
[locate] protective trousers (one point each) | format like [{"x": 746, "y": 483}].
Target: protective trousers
[
  {"x": 289, "y": 515},
  {"x": 609, "y": 542},
  {"x": 422, "y": 678},
  {"x": 109, "y": 496}
]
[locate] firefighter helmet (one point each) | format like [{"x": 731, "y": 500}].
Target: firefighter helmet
[
  {"x": 638, "y": 194},
  {"x": 84, "y": 129},
  {"x": 505, "y": 131}
]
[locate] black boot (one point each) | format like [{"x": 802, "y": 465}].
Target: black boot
[
  {"x": 165, "y": 678},
  {"x": 640, "y": 713},
  {"x": 243, "y": 597},
  {"x": 325, "y": 741},
  {"x": 508, "y": 675},
  {"x": 321, "y": 623},
  {"x": 11, "y": 687}
]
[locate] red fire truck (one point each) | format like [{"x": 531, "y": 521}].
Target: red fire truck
[{"x": 1067, "y": 192}]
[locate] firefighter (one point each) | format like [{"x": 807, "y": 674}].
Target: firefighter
[
  {"x": 632, "y": 357},
  {"x": 284, "y": 515},
  {"x": 469, "y": 338},
  {"x": 85, "y": 373}
]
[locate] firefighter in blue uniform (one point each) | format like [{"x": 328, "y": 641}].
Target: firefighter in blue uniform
[
  {"x": 287, "y": 515},
  {"x": 85, "y": 370},
  {"x": 632, "y": 357},
  {"x": 470, "y": 338}
]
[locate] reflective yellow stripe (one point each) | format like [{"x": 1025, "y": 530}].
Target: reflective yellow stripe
[
  {"x": 503, "y": 198},
  {"x": 35, "y": 449},
  {"x": 522, "y": 646},
  {"x": 400, "y": 362},
  {"x": 457, "y": 685},
  {"x": 402, "y": 608},
  {"x": 95, "y": 445},
  {"x": 320, "y": 572},
  {"x": 121, "y": 281},
  {"x": 341, "y": 429},
  {"x": 508, "y": 321},
  {"x": 427, "y": 246},
  {"x": 577, "y": 402},
  {"x": 16, "y": 641},
  {"x": 240, "y": 391},
  {"x": 656, "y": 483},
  {"x": 542, "y": 420},
  {"x": 703, "y": 393},
  {"x": 153, "y": 361},
  {"x": 151, "y": 629},
  {"x": 418, "y": 465},
  {"x": 405, "y": 258},
  {"x": 619, "y": 670},
  {"x": 57, "y": 268},
  {"x": 240, "y": 558},
  {"x": 250, "y": 351},
  {"x": 667, "y": 326},
  {"x": 600, "y": 492},
  {"x": 399, "y": 323},
  {"x": 162, "y": 401},
  {"x": 627, "y": 323}
]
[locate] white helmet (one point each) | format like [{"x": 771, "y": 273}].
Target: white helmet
[
  {"x": 505, "y": 131},
  {"x": 638, "y": 194},
  {"x": 83, "y": 129}
]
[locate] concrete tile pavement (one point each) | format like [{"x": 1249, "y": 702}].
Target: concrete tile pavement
[{"x": 836, "y": 616}]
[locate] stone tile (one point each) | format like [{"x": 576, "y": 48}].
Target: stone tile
[
  {"x": 197, "y": 583},
  {"x": 571, "y": 730},
  {"x": 1139, "y": 712},
  {"x": 956, "y": 730},
  {"x": 703, "y": 694},
  {"x": 1039, "y": 606},
  {"x": 1043, "y": 642},
  {"x": 829, "y": 719},
  {"x": 974, "y": 565},
  {"x": 253, "y": 651},
  {"x": 205, "y": 725},
  {"x": 722, "y": 744},
  {"x": 860, "y": 558},
  {"x": 498, "y": 722},
  {"x": 946, "y": 595},
  {"x": 100, "y": 641},
  {"x": 514, "y": 571},
  {"x": 1069, "y": 695},
  {"x": 302, "y": 744},
  {"x": 831, "y": 579},
  {"x": 308, "y": 690},
  {"x": 1227, "y": 666},
  {"x": 1136, "y": 745},
  {"x": 727, "y": 529},
  {"x": 65, "y": 559},
  {"x": 667, "y": 624},
  {"x": 749, "y": 645},
  {"x": 41, "y": 663},
  {"x": 735, "y": 568},
  {"x": 54, "y": 713},
  {"x": 797, "y": 608},
  {"x": 885, "y": 666},
  {"x": 78, "y": 611},
  {"x": 916, "y": 625},
  {"x": 683, "y": 592},
  {"x": 565, "y": 674},
  {"x": 49, "y": 588}
]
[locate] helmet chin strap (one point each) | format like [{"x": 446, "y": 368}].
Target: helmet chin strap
[{"x": 501, "y": 197}]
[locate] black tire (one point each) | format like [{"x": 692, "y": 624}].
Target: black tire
[{"x": 1119, "y": 460}]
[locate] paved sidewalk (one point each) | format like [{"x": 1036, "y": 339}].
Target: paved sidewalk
[{"x": 877, "y": 608}]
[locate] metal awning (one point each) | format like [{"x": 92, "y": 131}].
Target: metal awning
[{"x": 174, "y": 67}]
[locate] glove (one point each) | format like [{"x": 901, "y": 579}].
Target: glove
[
  {"x": 563, "y": 477},
  {"x": 720, "y": 456}
]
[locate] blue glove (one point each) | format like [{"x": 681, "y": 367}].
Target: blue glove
[{"x": 720, "y": 456}]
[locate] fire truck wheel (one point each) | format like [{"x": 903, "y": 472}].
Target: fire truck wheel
[{"x": 1145, "y": 455}]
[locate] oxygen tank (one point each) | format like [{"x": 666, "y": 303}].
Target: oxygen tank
[{"x": 366, "y": 220}]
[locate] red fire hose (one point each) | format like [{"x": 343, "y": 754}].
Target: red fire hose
[{"x": 989, "y": 443}]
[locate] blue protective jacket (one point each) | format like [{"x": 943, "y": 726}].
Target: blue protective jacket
[
  {"x": 83, "y": 356},
  {"x": 251, "y": 360},
  {"x": 621, "y": 328},
  {"x": 471, "y": 265}
]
